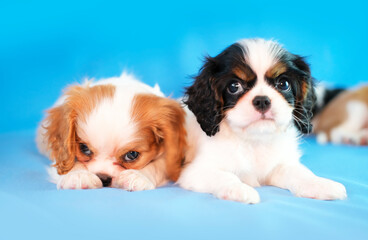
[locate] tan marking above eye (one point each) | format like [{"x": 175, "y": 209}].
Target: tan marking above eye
[
  {"x": 239, "y": 73},
  {"x": 276, "y": 70},
  {"x": 244, "y": 73}
]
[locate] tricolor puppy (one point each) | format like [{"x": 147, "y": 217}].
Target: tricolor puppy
[
  {"x": 249, "y": 105},
  {"x": 116, "y": 132},
  {"x": 344, "y": 120}
]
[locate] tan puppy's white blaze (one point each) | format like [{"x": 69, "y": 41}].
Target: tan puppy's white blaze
[
  {"x": 116, "y": 132},
  {"x": 246, "y": 110}
]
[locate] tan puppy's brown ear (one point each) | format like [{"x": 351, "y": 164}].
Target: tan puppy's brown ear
[
  {"x": 60, "y": 126},
  {"x": 172, "y": 127},
  {"x": 166, "y": 119},
  {"x": 60, "y": 135}
]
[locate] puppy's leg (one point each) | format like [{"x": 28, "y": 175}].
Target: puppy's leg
[
  {"x": 303, "y": 183},
  {"x": 79, "y": 178},
  {"x": 222, "y": 184},
  {"x": 147, "y": 178}
]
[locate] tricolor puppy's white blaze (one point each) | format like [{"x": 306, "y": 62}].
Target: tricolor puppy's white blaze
[
  {"x": 260, "y": 54},
  {"x": 107, "y": 133},
  {"x": 243, "y": 130}
]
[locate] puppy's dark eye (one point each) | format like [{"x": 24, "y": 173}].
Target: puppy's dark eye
[
  {"x": 283, "y": 84},
  {"x": 85, "y": 150},
  {"x": 235, "y": 88},
  {"x": 130, "y": 156}
]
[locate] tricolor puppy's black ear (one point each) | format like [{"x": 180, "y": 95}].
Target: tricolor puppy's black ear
[
  {"x": 204, "y": 100},
  {"x": 306, "y": 97}
]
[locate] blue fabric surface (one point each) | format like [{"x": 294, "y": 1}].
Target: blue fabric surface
[{"x": 31, "y": 207}]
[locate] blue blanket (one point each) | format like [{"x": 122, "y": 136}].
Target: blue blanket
[{"x": 31, "y": 207}]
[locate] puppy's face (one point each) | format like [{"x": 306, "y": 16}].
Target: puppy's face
[
  {"x": 255, "y": 86},
  {"x": 110, "y": 129}
]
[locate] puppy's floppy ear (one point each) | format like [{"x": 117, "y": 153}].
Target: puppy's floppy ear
[
  {"x": 171, "y": 128},
  {"x": 61, "y": 136},
  {"x": 305, "y": 97},
  {"x": 166, "y": 119},
  {"x": 204, "y": 100}
]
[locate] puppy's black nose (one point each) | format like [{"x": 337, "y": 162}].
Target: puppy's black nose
[
  {"x": 105, "y": 179},
  {"x": 262, "y": 103}
]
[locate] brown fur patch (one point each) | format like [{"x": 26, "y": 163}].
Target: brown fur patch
[
  {"x": 81, "y": 156},
  {"x": 147, "y": 145},
  {"x": 83, "y": 99},
  {"x": 61, "y": 122},
  {"x": 276, "y": 70},
  {"x": 161, "y": 131},
  {"x": 304, "y": 91},
  {"x": 239, "y": 73},
  {"x": 335, "y": 113},
  {"x": 244, "y": 72}
]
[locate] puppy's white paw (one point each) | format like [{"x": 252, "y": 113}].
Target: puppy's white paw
[
  {"x": 343, "y": 136},
  {"x": 239, "y": 192},
  {"x": 133, "y": 180},
  {"x": 323, "y": 189},
  {"x": 81, "y": 179}
]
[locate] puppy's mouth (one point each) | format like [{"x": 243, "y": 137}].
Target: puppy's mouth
[
  {"x": 262, "y": 123},
  {"x": 265, "y": 118}
]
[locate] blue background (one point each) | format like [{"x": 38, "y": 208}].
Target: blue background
[{"x": 45, "y": 45}]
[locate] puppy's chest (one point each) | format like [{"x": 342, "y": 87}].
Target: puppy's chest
[{"x": 256, "y": 161}]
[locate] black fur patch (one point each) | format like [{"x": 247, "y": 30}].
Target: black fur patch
[
  {"x": 207, "y": 97},
  {"x": 302, "y": 97}
]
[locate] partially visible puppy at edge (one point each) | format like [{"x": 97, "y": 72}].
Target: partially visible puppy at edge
[
  {"x": 115, "y": 132},
  {"x": 343, "y": 119},
  {"x": 248, "y": 107}
]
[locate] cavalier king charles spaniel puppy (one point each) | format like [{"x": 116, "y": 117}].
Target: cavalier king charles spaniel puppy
[
  {"x": 116, "y": 132},
  {"x": 344, "y": 119},
  {"x": 249, "y": 105}
]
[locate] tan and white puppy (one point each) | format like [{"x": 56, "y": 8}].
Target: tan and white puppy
[
  {"x": 115, "y": 132},
  {"x": 344, "y": 120},
  {"x": 248, "y": 106}
]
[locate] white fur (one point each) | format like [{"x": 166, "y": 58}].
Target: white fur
[
  {"x": 320, "y": 94},
  {"x": 249, "y": 151},
  {"x": 261, "y": 54},
  {"x": 108, "y": 127},
  {"x": 322, "y": 138}
]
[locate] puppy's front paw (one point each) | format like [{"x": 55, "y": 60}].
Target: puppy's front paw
[
  {"x": 81, "y": 179},
  {"x": 239, "y": 192},
  {"x": 343, "y": 136},
  {"x": 133, "y": 180},
  {"x": 323, "y": 189}
]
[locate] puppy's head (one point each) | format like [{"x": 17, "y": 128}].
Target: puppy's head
[
  {"x": 255, "y": 86},
  {"x": 111, "y": 128}
]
